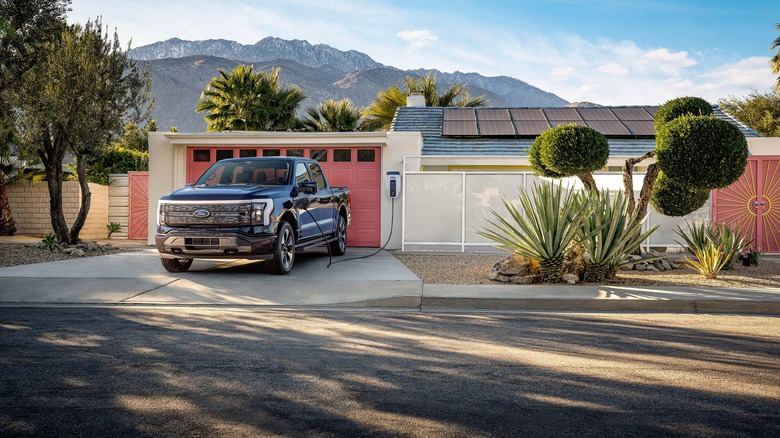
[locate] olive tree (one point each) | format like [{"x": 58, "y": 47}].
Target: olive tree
[
  {"x": 570, "y": 150},
  {"x": 77, "y": 101}
]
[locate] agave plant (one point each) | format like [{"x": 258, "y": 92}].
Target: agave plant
[
  {"x": 710, "y": 259},
  {"x": 542, "y": 228},
  {"x": 609, "y": 234},
  {"x": 730, "y": 239},
  {"x": 733, "y": 243}
]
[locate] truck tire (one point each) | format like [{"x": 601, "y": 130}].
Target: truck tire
[
  {"x": 339, "y": 246},
  {"x": 284, "y": 250},
  {"x": 176, "y": 265}
]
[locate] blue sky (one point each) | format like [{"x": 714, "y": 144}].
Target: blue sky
[{"x": 612, "y": 52}]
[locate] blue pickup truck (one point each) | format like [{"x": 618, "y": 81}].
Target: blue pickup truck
[{"x": 253, "y": 208}]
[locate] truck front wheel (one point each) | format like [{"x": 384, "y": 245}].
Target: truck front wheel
[
  {"x": 176, "y": 265},
  {"x": 284, "y": 250}
]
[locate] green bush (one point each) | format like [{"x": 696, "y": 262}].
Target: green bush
[
  {"x": 673, "y": 198},
  {"x": 115, "y": 159},
  {"x": 701, "y": 152},
  {"x": 536, "y": 162},
  {"x": 572, "y": 150},
  {"x": 681, "y": 106}
]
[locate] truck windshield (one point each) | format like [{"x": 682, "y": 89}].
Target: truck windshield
[{"x": 244, "y": 173}]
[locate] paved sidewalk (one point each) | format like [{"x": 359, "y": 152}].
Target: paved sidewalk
[{"x": 137, "y": 278}]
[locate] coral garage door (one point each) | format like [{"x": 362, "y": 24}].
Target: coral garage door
[{"x": 357, "y": 168}]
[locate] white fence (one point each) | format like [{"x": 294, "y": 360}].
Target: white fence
[{"x": 444, "y": 210}]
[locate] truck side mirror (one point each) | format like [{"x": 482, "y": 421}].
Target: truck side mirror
[{"x": 308, "y": 187}]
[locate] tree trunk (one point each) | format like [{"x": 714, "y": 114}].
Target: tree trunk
[
  {"x": 588, "y": 182},
  {"x": 633, "y": 206},
  {"x": 86, "y": 200},
  {"x": 52, "y": 157},
  {"x": 7, "y": 224},
  {"x": 647, "y": 190}
]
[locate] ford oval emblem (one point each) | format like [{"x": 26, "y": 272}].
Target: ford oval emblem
[{"x": 201, "y": 213}]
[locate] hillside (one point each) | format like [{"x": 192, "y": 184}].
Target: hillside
[{"x": 182, "y": 69}]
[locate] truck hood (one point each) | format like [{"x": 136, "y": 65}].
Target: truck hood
[{"x": 226, "y": 193}]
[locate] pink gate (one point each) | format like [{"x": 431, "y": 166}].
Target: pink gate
[
  {"x": 752, "y": 203},
  {"x": 138, "y": 205}
]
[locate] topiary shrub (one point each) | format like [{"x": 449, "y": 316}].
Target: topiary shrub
[
  {"x": 701, "y": 152},
  {"x": 573, "y": 149},
  {"x": 536, "y": 162},
  {"x": 672, "y": 198},
  {"x": 681, "y": 106}
]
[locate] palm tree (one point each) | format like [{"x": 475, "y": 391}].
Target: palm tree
[
  {"x": 775, "y": 61},
  {"x": 243, "y": 100},
  {"x": 332, "y": 116},
  {"x": 379, "y": 115}
]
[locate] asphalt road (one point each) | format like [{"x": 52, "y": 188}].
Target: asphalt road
[{"x": 128, "y": 371}]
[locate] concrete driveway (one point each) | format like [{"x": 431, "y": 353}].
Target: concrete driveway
[{"x": 139, "y": 278}]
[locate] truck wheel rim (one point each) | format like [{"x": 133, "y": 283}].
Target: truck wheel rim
[
  {"x": 287, "y": 248},
  {"x": 342, "y": 234}
]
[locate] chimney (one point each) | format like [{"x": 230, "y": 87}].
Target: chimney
[{"x": 415, "y": 98}]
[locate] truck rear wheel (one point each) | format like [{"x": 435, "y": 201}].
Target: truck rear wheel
[
  {"x": 284, "y": 250},
  {"x": 176, "y": 265},
  {"x": 338, "y": 247}
]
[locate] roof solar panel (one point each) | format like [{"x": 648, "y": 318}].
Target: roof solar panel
[
  {"x": 555, "y": 123},
  {"x": 562, "y": 114},
  {"x": 527, "y": 114},
  {"x": 652, "y": 109},
  {"x": 589, "y": 114},
  {"x": 493, "y": 127},
  {"x": 493, "y": 114},
  {"x": 531, "y": 127},
  {"x": 609, "y": 127},
  {"x": 460, "y": 128},
  {"x": 633, "y": 113},
  {"x": 640, "y": 127},
  {"x": 459, "y": 114}
]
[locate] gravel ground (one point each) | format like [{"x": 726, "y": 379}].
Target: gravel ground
[
  {"x": 12, "y": 254},
  {"x": 462, "y": 268},
  {"x": 474, "y": 269}
]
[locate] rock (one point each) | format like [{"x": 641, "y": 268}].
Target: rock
[
  {"x": 516, "y": 269},
  {"x": 570, "y": 278},
  {"x": 92, "y": 246},
  {"x": 627, "y": 267},
  {"x": 652, "y": 268},
  {"x": 658, "y": 265},
  {"x": 666, "y": 265},
  {"x": 674, "y": 265},
  {"x": 640, "y": 267},
  {"x": 634, "y": 257},
  {"x": 77, "y": 252}
]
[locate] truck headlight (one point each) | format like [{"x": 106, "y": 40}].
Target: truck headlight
[
  {"x": 160, "y": 214},
  {"x": 261, "y": 212}
]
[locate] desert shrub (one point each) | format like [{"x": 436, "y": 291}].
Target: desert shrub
[
  {"x": 673, "y": 198},
  {"x": 701, "y": 152},
  {"x": 681, "y": 106}
]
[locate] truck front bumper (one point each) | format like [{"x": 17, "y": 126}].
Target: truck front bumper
[{"x": 193, "y": 245}]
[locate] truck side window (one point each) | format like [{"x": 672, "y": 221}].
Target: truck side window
[
  {"x": 316, "y": 173},
  {"x": 301, "y": 174}
]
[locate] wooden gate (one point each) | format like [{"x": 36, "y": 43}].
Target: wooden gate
[
  {"x": 752, "y": 204},
  {"x": 138, "y": 205}
]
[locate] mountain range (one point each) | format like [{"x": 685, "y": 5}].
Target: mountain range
[{"x": 182, "y": 69}]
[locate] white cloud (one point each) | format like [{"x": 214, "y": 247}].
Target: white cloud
[
  {"x": 418, "y": 38},
  {"x": 562, "y": 72},
  {"x": 672, "y": 59},
  {"x": 613, "y": 69}
]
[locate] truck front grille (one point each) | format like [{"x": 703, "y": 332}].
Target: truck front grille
[{"x": 234, "y": 215}]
